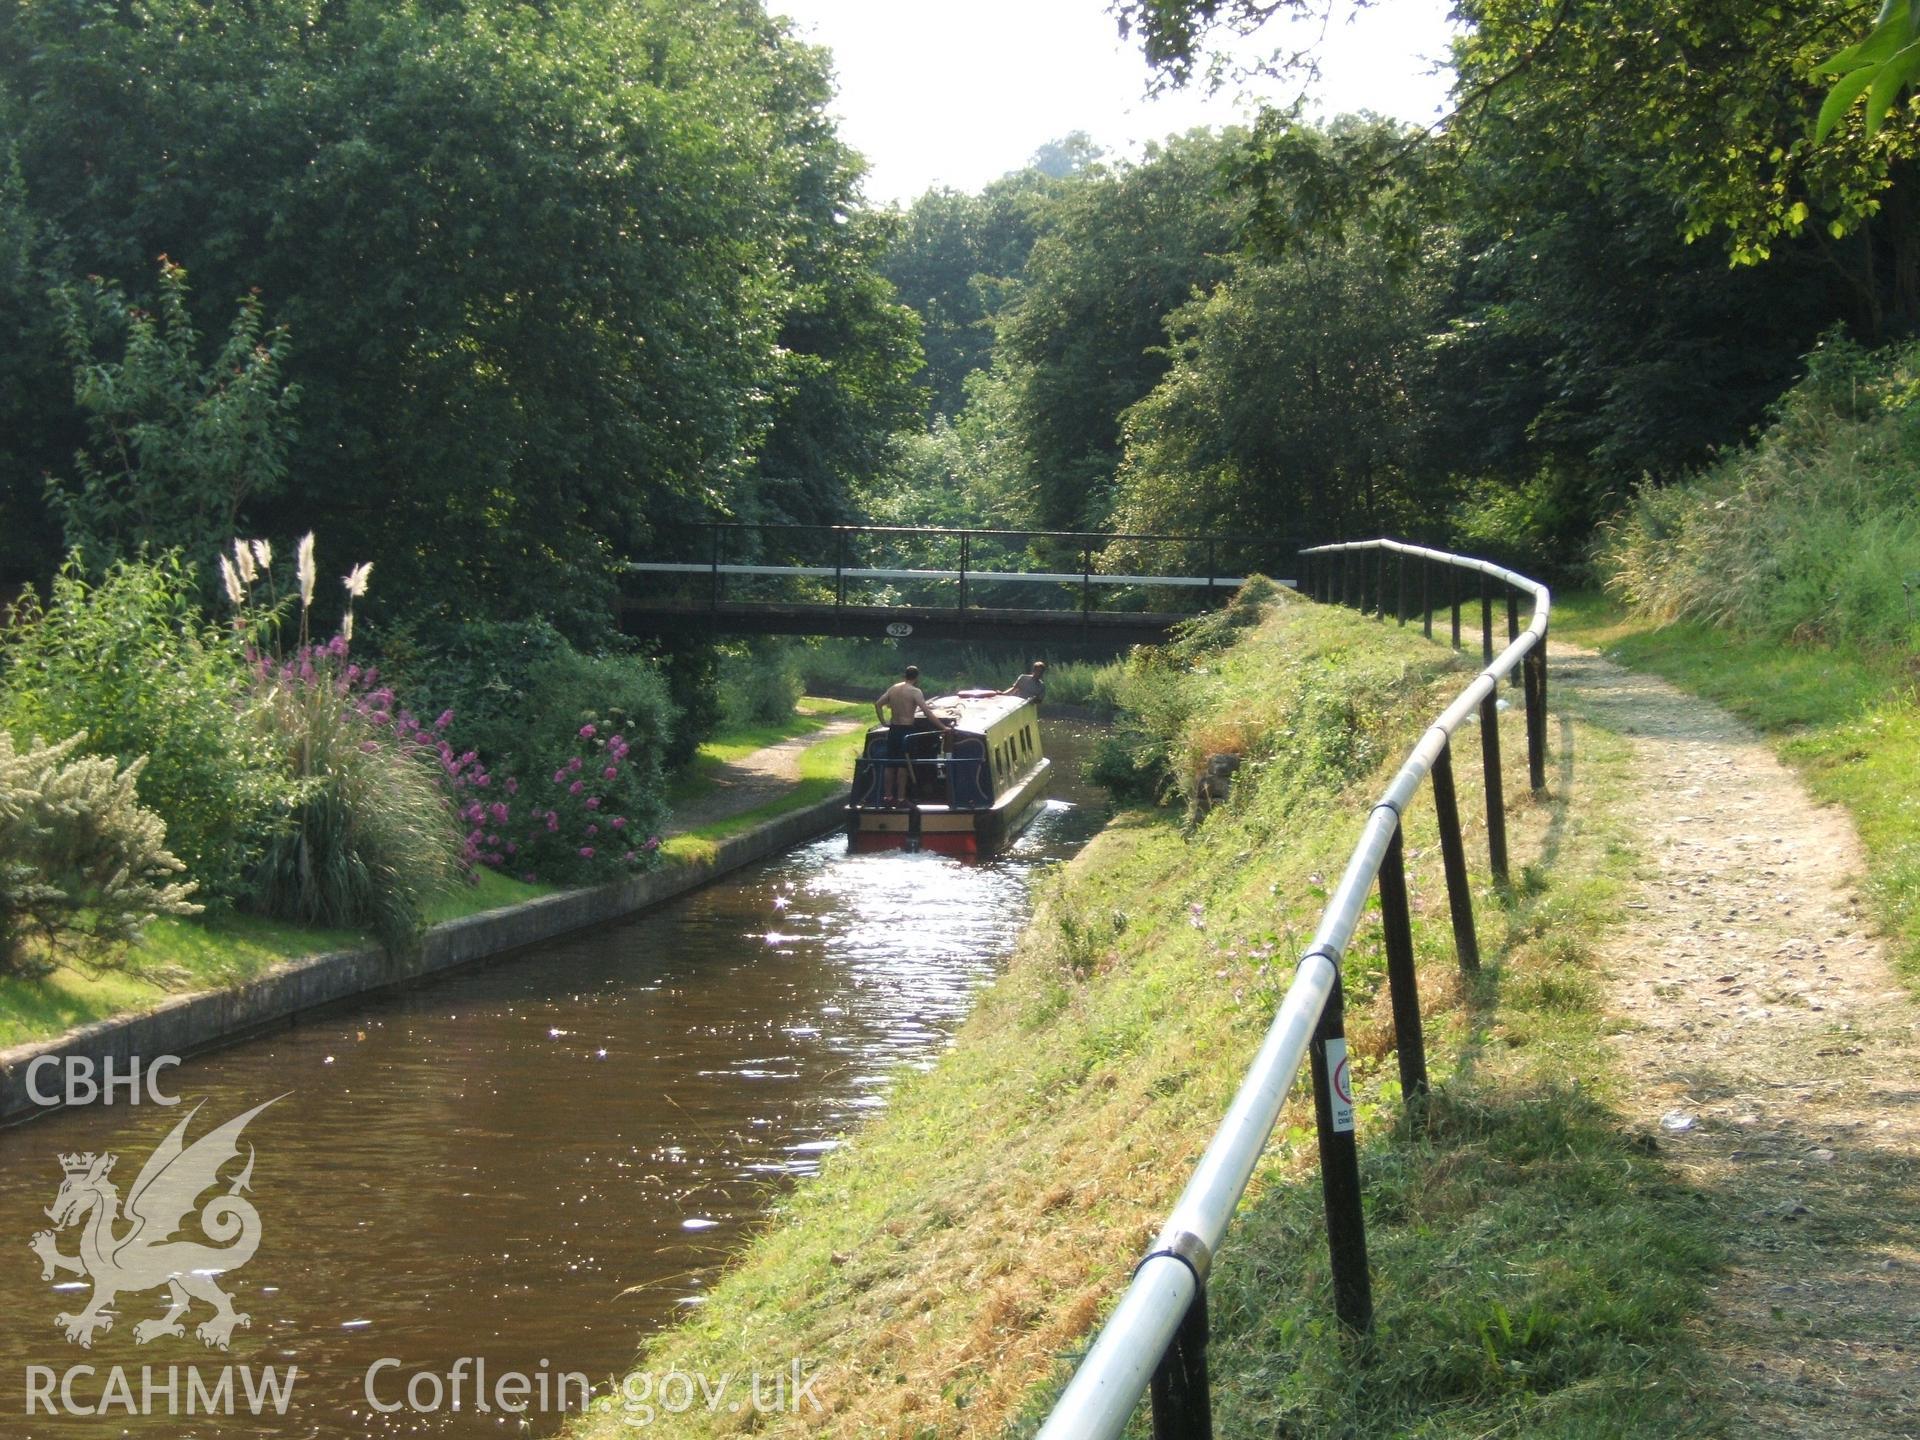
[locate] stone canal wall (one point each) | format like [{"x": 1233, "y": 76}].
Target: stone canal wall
[{"x": 200, "y": 1021}]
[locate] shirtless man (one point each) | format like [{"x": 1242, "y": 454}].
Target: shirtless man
[{"x": 896, "y": 709}]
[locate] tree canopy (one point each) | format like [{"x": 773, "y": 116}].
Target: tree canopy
[{"x": 552, "y": 276}]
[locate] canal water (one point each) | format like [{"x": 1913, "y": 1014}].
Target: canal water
[{"x": 532, "y": 1165}]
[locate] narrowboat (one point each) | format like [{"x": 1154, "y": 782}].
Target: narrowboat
[{"x": 968, "y": 790}]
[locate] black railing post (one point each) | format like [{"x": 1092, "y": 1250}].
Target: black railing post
[
  {"x": 1453, "y": 596},
  {"x": 1340, "y": 1166},
  {"x": 1543, "y": 696},
  {"x": 1486, "y": 619},
  {"x": 963, "y": 579},
  {"x": 1496, "y": 796},
  {"x": 1426, "y": 596},
  {"x": 1182, "y": 1403},
  {"x": 1453, "y": 857},
  {"x": 1513, "y": 627},
  {"x": 839, "y": 567},
  {"x": 1086, "y": 582},
  {"x": 1400, "y": 588},
  {"x": 1212, "y": 566},
  {"x": 1536, "y": 702},
  {"x": 1396, "y": 928},
  {"x": 716, "y": 567},
  {"x": 1380, "y": 585},
  {"x": 1355, "y": 563},
  {"x": 1536, "y": 758}
]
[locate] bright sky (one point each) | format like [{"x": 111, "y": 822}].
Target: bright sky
[{"x": 958, "y": 92}]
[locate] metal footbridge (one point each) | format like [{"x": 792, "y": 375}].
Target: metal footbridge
[{"x": 1015, "y": 585}]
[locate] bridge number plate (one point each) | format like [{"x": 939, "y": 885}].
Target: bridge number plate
[{"x": 899, "y": 629}]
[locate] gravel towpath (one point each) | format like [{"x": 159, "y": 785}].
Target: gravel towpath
[
  {"x": 1776, "y": 1057},
  {"x": 754, "y": 780}
]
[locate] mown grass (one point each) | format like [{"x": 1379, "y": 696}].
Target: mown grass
[
  {"x": 1535, "y": 1267},
  {"x": 204, "y": 953},
  {"x": 1846, "y": 717}
]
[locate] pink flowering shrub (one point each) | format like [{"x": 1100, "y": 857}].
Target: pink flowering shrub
[
  {"x": 558, "y": 829},
  {"x": 595, "y": 816},
  {"x": 580, "y": 735}
]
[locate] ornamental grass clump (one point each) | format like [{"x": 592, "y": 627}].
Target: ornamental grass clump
[
  {"x": 368, "y": 836},
  {"x": 83, "y": 865}
]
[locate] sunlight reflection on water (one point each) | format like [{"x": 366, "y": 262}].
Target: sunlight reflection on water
[{"x": 542, "y": 1160}]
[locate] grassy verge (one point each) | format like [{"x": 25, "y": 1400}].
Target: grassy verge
[
  {"x": 1844, "y": 716},
  {"x": 200, "y": 954},
  {"x": 824, "y": 771},
  {"x": 203, "y": 954},
  {"x": 1535, "y": 1267}
]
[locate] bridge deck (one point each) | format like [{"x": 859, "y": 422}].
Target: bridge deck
[{"x": 934, "y": 622}]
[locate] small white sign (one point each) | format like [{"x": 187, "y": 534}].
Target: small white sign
[
  {"x": 899, "y": 629},
  {"x": 1342, "y": 1084}
]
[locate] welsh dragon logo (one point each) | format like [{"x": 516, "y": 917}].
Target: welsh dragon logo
[{"x": 137, "y": 1251}]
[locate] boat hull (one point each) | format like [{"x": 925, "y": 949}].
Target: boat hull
[{"x": 946, "y": 829}]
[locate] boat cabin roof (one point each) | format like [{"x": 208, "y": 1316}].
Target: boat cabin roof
[{"x": 976, "y": 711}]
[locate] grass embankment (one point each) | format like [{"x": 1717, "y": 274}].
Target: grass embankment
[
  {"x": 1846, "y": 716},
  {"x": 1535, "y": 1266},
  {"x": 178, "y": 956}
]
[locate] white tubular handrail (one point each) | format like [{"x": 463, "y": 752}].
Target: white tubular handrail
[
  {"x": 1106, "y": 1388},
  {"x": 829, "y": 572}
]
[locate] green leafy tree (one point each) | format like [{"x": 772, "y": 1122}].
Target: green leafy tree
[
  {"x": 966, "y": 472},
  {"x": 956, "y": 258},
  {"x": 1716, "y": 98},
  {"x": 536, "y": 258},
  {"x": 1085, "y": 336},
  {"x": 175, "y": 450},
  {"x": 846, "y": 385},
  {"x": 38, "y": 428},
  {"x": 1879, "y": 67},
  {"x": 1586, "y": 335},
  {"x": 1297, "y": 404}
]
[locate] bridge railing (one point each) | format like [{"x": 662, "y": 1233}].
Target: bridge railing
[
  {"x": 715, "y": 565},
  {"x": 1155, "y": 1341}
]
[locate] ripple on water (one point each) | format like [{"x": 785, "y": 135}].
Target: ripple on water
[{"x": 542, "y": 1160}]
